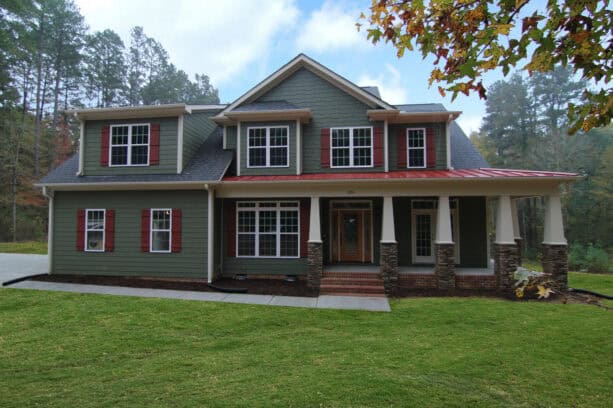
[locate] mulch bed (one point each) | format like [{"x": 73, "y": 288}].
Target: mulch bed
[{"x": 277, "y": 287}]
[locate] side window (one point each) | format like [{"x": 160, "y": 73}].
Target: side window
[
  {"x": 129, "y": 145},
  {"x": 94, "y": 230}
]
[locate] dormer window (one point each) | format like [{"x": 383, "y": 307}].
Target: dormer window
[
  {"x": 129, "y": 145},
  {"x": 268, "y": 146},
  {"x": 351, "y": 147},
  {"x": 416, "y": 152}
]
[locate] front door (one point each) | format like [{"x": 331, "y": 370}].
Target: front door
[{"x": 351, "y": 233}]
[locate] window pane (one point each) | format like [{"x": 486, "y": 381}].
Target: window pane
[
  {"x": 268, "y": 221},
  {"x": 268, "y": 245},
  {"x": 140, "y": 134},
  {"x": 119, "y": 135},
  {"x": 257, "y": 137},
  {"x": 257, "y": 157},
  {"x": 416, "y": 158},
  {"x": 289, "y": 245},
  {"x": 139, "y": 154},
  {"x": 278, "y": 136},
  {"x": 340, "y": 157},
  {"x": 361, "y": 157},
  {"x": 289, "y": 221},
  {"x": 416, "y": 138},
  {"x": 278, "y": 156},
  {"x": 340, "y": 137},
  {"x": 94, "y": 240},
  {"x": 119, "y": 155},
  {"x": 361, "y": 137},
  {"x": 160, "y": 241},
  {"x": 246, "y": 245},
  {"x": 161, "y": 219},
  {"x": 246, "y": 221},
  {"x": 95, "y": 220}
]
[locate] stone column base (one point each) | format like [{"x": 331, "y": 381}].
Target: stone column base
[
  {"x": 315, "y": 264},
  {"x": 520, "y": 243},
  {"x": 444, "y": 267},
  {"x": 555, "y": 263},
  {"x": 505, "y": 265},
  {"x": 388, "y": 259}
]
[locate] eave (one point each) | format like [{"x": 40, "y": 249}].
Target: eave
[
  {"x": 395, "y": 116},
  {"x": 131, "y": 112},
  {"x": 231, "y": 118}
]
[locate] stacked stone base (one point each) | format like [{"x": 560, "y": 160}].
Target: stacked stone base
[
  {"x": 315, "y": 264},
  {"x": 444, "y": 268},
  {"x": 389, "y": 266},
  {"x": 505, "y": 265},
  {"x": 555, "y": 263}
]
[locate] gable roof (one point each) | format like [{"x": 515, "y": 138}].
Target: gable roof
[
  {"x": 464, "y": 154},
  {"x": 303, "y": 61},
  {"x": 209, "y": 164},
  {"x": 373, "y": 90}
]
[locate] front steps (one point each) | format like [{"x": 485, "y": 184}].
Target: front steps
[{"x": 352, "y": 284}]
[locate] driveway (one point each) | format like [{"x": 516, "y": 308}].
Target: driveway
[{"x": 14, "y": 266}]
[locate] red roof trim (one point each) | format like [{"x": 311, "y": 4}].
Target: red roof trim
[{"x": 483, "y": 173}]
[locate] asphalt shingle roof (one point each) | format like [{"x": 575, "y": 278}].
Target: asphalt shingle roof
[
  {"x": 422, "y": 107},
  {"x": 208, "y": 164},
  {"x": 464, "y": 154},
  {"x": 373, "y": 90}
]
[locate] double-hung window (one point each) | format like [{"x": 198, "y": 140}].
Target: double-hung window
[
  {"x": 268, "y": 146},
  {"x": 161, "y": 230},
  {"x": 351, "y": 147},
  {"x": 129, "y": 145},
  {"x": 416, "y": 148},
  {"x": 268, "y": 229},
  {"x": 94, "y": 230}
]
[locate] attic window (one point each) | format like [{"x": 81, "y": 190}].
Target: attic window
[{"x": 129, "y": 145}]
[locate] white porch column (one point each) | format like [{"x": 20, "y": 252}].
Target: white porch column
[
  {"x": 388, "y": 235},
  {"x": 314, "y": 222},
  {"x": 504, "y": 221},
  {"x": 516, "y": 233},
  {"x": 443, "y": 222},
  {"x": 554, "y": 225}
]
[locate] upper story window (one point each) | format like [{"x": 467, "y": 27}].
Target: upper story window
[
  {"x": 129, "y": 145},
  {"x": 416, "y": 148},
  {"x": 268, "y": 146},
  {"x": 351, "y": 147},
  {"x": 94, "y": 230}
]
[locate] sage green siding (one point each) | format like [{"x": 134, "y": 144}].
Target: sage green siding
[
  {"x": 196, "y": 128},
  {"x": 291, "y": 169},
  {"x": 440, "y": 137},
  {"x": 230, "y": 137},
  {"x": 127, "y": 259},
  {"x": 331, "y": 107},
  {"x": 168, "y": 148}
]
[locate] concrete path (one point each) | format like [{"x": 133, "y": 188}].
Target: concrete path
[
  {"x": 13, "y": 266},
  {"x": 373, "y": 304}
]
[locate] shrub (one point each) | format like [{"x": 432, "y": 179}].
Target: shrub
[
  {"x": 597, "y": 260},
  {"x": 576, "y": 257}
]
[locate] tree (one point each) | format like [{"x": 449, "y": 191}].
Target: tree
[
  {"x": 106, "y": 68},
  {"x": 468, "y": 38}
]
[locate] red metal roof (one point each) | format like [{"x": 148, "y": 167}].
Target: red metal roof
[{"x": 483, "y": 173}]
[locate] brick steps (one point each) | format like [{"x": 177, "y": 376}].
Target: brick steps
[{"x": 352, "y": 284}]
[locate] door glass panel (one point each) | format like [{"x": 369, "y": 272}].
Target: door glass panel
[
  {"x": 423, "y": 235},
  {"x": 350, "y": 233}
]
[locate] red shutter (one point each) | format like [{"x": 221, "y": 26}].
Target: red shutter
[
  {"x": 176, "y": 229},
  {"x": 145, "y": 226},
  {"x": 109, "y": 231},
  {"x": 80, "y": 230},
  {"x": 325, "y": 148},
  {"x": 305, "y": 207},
  {"x": 430, "y": 148},
  {"x": 104, "y": 146},
  {"x": 230, "y": 227},
  {"x": 401, "y": 139},
  {"x": 378, "y": 146},
  {"x": 154, "y": 145}
]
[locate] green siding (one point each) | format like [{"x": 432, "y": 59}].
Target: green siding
[
  {"x": 196, "y": 128},
  {"x": 230, "y": 137},
  {"x": 127, "y": 258},
  {"x": 473, "y": 234},
  {"x": 439, "y": 135},
  {"x": 291, "y": 169},
  {"x": 331, "y": 107},
  {"x": 168, "y": 148}
]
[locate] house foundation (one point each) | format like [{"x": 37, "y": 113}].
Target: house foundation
[{"x": 315, "y": 264}]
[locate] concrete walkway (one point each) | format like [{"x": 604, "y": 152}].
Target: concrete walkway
[
  {"x": 13, "y": 266},
  {"x": 373, "y": 304}
]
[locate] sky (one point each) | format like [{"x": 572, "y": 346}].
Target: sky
[{"x": 237, "y": 43}]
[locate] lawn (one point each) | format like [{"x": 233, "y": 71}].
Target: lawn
[
  {"x": 27, "y": 247},
  {"x": 60, "y": 349}
]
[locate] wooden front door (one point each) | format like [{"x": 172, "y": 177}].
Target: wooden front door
[{"x": 351, "y": 235}]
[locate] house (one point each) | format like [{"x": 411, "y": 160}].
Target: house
[{"x": 306, "y": 175}]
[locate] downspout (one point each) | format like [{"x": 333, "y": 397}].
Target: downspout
[
  {"x": 81, "y": 146},
  {"x": 448, "y": 142},
  {"x": 49, "y": 194},
  {"x": 210, "y": 232}
]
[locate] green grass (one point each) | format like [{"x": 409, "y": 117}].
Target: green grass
[
  {"x": 27, "y": 247},
  {"x": 61, "y": 349}
]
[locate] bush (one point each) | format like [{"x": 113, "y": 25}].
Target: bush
[
  {"x": 576, "y": 257},
  {"x": 597, "y": 260}
]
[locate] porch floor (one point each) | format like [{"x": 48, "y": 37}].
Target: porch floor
[{"x": 409, "y": 270}]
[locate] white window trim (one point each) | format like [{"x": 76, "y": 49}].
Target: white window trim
[
  {"x": 267, "y": 147},
  {"x": 151, "y": 210},
  {"x": 417, "y": 148},
  {"x": 87, "y": 211},
  {"x": 257, "y": 233},
  {"x": 129, "y": 145},
  {"x": 351, "y": 147},
  {"x": 454, "y": 212}
]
